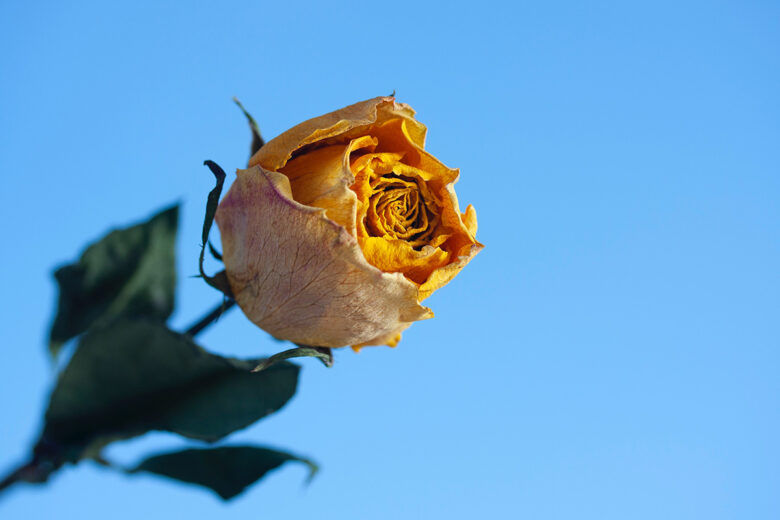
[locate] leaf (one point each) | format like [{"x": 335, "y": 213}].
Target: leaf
[
  {"x": 212, "y": 200},
  {"x": 324, "y": 354},
  {"x": 225, "y": 470},
  {"x": 219, "y": 281},
  {"x": 136, "y": 375},
  {"x": 257, "y": 139},
  {"x": 129, "y": 272},
  {"x": 213, "y": 250}
]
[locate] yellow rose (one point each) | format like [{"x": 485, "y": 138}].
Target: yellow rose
[{"x": 341, "y": 226}]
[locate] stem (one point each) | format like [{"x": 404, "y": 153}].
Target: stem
[
  {"x": 13, "y": 477},
  {"x": 210, "y": 318},
  {"x": 35, "y": 471}
]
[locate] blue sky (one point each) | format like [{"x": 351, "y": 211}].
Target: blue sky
[{"x": 612, "y": 353}]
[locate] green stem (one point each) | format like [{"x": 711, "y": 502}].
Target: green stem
[
  {"x": 210, "y": 318},
  {"x": 35, "y": 471}
]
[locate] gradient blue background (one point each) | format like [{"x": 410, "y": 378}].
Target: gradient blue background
[{"x": 613, "y": 353}]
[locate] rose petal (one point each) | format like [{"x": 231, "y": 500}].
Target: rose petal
[
  {"x": 322, "y": 177},
  {"x": 394, "y": 136},
  {"x": 455, "y": 244},
  {"x": 443, "y": 275},
  {"x": 462, "y": 242},
  {"x": 391, "y": 340},
  {"x": 345, "y": 124},
  {"x": 470, "y": 220},
  {"x": 302, "y": 277},
  {"x": 397, "y": 255}
]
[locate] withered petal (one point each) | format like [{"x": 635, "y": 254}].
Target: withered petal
[
  {"x": 347, "y": 123},
  {"x": 302, "y": 277}
]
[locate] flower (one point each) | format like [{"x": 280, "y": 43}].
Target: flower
[{"x": 341, "y": 226}]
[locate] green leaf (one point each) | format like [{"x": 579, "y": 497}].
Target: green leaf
[
  {"x": 212, "y": 201},
  {"x": 324, "y": 354},
  {"x": 129, "y": 272},
  {"x": 257, "y": 139},
  {"x": 216, "y": 254},
  {"x": 226, "y": 470},
  {"x": 136, "y": 375},
  {"x": 219, "y": 281}
]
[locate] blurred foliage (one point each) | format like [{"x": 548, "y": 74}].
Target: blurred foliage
[
  {"x": 134, "y": 376},
  {"x": 129, "y": 272},
  {"x": 130, "y": 374},
  {"x": 226, "y": 470}
]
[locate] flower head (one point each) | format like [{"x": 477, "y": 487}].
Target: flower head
[{"x": 342, "y": 225}]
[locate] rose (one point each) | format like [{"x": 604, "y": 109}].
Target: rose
[{"x": 341, "y": 226}]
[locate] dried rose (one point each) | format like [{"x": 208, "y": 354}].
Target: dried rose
[{"x": 341, "y": 226}]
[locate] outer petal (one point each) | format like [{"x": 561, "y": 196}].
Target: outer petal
[
  {"x": 338, "y": 127},
  {"x": 302, "y": 277},
  {"x": 470, "y": 220},
  {"x": 442, "y": 276},
  {"x": 462, "y": 243}
]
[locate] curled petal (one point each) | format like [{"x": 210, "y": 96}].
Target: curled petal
[
  {"x": 462, "y": 242},
  {"x": 302, "y": 277},
  {"x": 470, "y": 220},
  {"x": 322, "y": 179},
  {"x": 442, "y": 276},
  {"x": 339, "y": 126}
]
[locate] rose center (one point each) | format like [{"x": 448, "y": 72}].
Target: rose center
[{"x": 398, "y": 209}]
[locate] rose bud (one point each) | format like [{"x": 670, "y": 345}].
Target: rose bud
[{"x": 341, "y": 226}]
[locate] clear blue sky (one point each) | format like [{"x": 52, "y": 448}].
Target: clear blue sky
[{"x": 614, "y": 351}]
